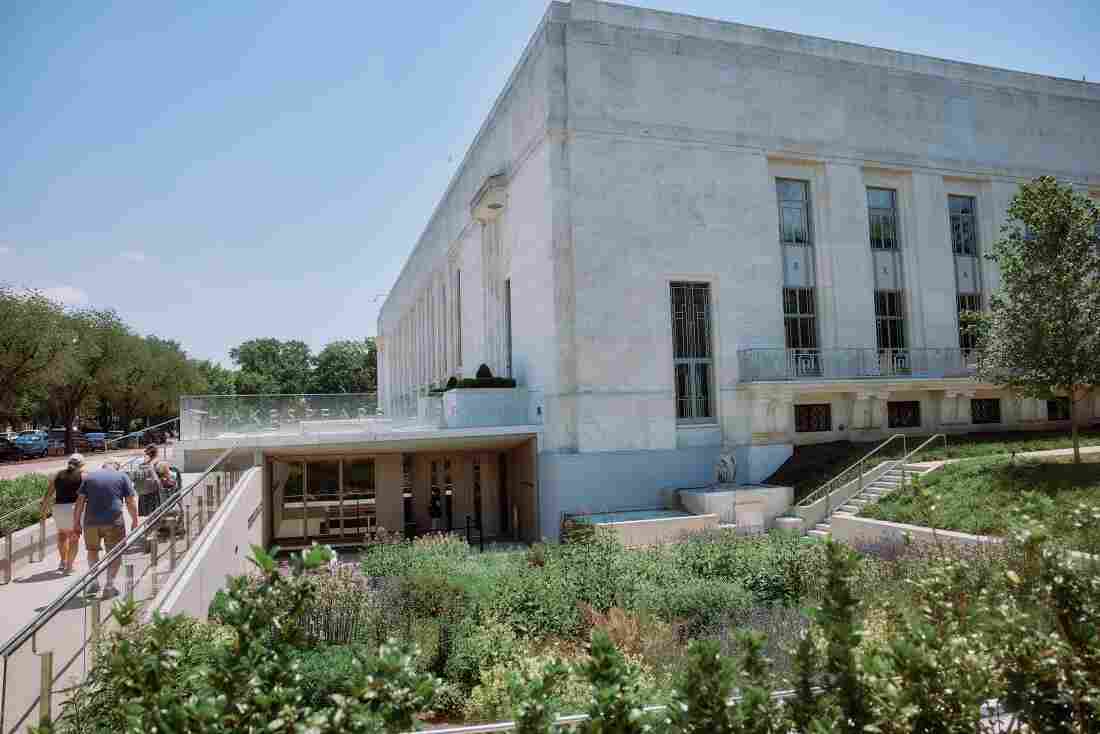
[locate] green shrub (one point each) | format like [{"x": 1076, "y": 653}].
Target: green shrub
[
  {"x": 700, "y": 606},
  {"x": 14, "y": 493}
]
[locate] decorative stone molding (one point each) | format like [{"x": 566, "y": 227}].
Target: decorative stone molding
[{"x": 490, "y": 199}]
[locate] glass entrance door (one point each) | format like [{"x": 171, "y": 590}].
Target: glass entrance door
[{"x": 323, "y": 500}]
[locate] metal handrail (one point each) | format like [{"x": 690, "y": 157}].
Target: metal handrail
[
  {"x": 74, "y": 590},
  {"x": 138, "y": 432},
  {"x": 905, "y": 459},
  {"x": 821, "y": 491}
]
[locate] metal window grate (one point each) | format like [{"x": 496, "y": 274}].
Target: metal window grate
[
  {"x": 794, "y": 212},
  {"x": 882, "y": 214},
  {"x": 691, "y": 351},
  {"x": 903, "y": 414},
  {"x": 813, "y": 418},
  {"x": 968, "y": 303},
  {"x": 890, "y": 319},
  {"x": 800, "y": 317},
  {"x": 964, "y": 237},
  {"x": 985, "y": 410}
]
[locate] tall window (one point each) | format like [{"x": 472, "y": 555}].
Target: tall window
[
  {"x": 964, "y": 233},
  {"x": 1058, "y": 409},
  {"x": 691, "y": 351},
  {"x": 903, "y": 414},
  {"x": 794, "y": 212},
  {"x": 968, "y": 303},
  {"x": 800, "y": 318},
  {"x": 890, "y": 319},
  {"x": 882, "y": 213}
]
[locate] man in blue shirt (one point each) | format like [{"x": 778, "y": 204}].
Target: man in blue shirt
[{"x": 103, "y": 494}]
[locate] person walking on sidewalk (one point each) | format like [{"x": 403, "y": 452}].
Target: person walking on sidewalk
[
  {"x": 103, "y": 494},
  {"x": 63, "y": 492}
]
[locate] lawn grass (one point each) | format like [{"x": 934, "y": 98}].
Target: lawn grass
[
  {"x": 17, "y": 492},
  {"x": 813, "y": 465},
  {"x": 996, "y": 495}
]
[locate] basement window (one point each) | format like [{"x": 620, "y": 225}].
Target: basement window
[{"x": 813, "y": 418}]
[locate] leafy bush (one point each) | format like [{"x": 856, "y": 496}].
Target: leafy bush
[
  {"x": 14, "y": 493},
  {"x": 700, "y": 606}
]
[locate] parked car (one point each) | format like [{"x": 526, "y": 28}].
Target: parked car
[
  {"x": 33, "y": 443},
  {"x": 97, "y": 440},
  {"x": 8, "y": 450},
  {"x": 57, "y": 441}
]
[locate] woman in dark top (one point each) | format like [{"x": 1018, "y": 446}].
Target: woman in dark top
[{"x": 62, "y": 491}]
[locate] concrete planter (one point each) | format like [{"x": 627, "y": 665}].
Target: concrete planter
[
  {"x": 790, "y": 524},
  {"x": 485, "y": 406},
  {"x": 745, "y": 505}
]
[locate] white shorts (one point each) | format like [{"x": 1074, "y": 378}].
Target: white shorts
[{"x": 63, "y": 516}]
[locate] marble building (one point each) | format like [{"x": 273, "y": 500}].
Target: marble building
[{"x": 678, "y": 233}]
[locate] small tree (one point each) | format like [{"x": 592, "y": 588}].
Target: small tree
[{"x": 1041, "y": 336}]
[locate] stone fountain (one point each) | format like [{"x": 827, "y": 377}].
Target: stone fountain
[{"x": 748, "y": 507}]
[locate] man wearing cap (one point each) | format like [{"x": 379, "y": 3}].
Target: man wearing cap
[
  {"x": 100, "y": 502},
  {"x": 63, "y": 492}
]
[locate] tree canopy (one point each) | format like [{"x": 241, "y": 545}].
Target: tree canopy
[{"x": 1041, "y": 336}]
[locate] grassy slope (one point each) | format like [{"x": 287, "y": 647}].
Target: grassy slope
[
  {"x": 992, "y": 496},
  {"x": 812, "y": 466}
]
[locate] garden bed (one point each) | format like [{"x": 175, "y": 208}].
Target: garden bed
[{"x": 997, "y": 495}]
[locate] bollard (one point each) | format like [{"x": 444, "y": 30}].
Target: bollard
[
  {"x": 96, "y": 627},
  {"x": 8, "y": 553},
  {"x": 45, "y": 698},
  {"x": 130, "y": 582},
  {"x": 42, "y": 539},
  {"x": 154, "y": 558},
  {"x": 171, "y": 546}
]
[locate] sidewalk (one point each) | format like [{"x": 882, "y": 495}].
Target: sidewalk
[
  {"x": 1047, "y": 453},
  {"x": 35, "y": 586}
]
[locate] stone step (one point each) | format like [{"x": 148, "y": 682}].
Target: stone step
[
  {"x": 848, "y": 509},
  {"x": 819, "y": 533},
  {"x": 859, "y": 501},
  {"x": 822, "y": 526}
]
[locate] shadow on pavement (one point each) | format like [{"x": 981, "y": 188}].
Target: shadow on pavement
[{"x": 51, "y": 575}]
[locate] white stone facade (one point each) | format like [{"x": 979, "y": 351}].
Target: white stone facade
[{"x": 632, "y": 149}]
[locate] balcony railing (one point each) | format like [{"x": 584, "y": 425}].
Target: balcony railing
[{"x": 766, "y": 364}]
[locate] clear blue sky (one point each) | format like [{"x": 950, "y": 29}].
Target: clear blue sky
[{"x": 225, "y": 170}]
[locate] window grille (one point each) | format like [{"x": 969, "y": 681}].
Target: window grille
[
  {"x": 1058, "y": 409},
  {"x": 883, "y": 216},
  {"x": 800, "y": 324},
  {"x": 794, "y": 212},
  {"x": 964, "y": 237},
  {"x": 968, "y": 303},
  {"x": 890, "y": 320},
  {"x": 903, "y": 414},
  {"x": 813, "y": 418},
  {"x": 691, "y": 351},
  {"x": 985, "y": 410}
]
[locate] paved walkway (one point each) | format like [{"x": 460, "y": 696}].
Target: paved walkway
[
  {"x": 33, "y": 587},
  {"x": 1047, "y": 453},
  {"x": 13, "y": 469}
]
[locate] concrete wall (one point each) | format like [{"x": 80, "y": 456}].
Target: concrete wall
[
  {"x": 221, "y": 551},
  {"x": 617, "y": 480}
]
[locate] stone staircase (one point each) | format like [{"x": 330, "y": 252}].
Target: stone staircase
[{"x": 884, "y": 485}]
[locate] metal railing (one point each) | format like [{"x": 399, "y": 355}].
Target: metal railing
[
  {"x": 8, "y": 564},
  {"x": 56, "y": 648},
  {"x": 859, "y": 468},
  {"x": 766, "y": 364},
  {"x": 132, "y": 434},
  {"x": 908, "y": 458}
]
